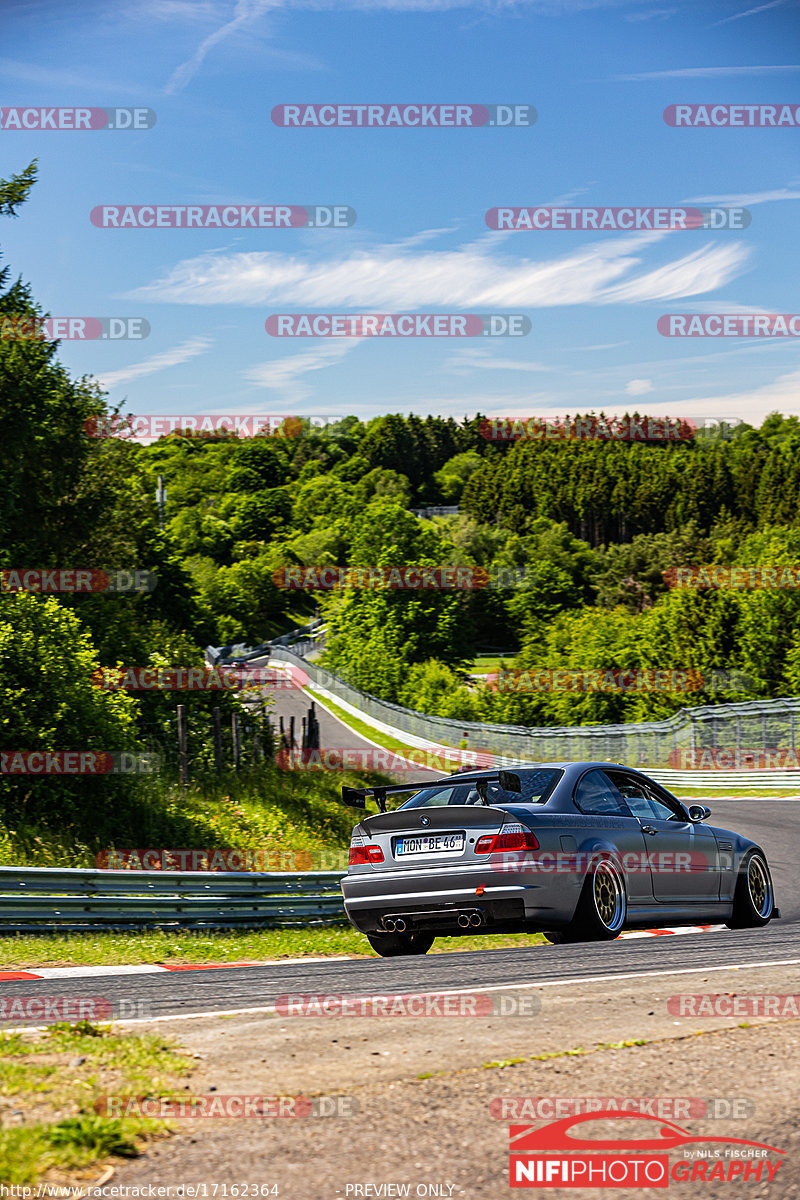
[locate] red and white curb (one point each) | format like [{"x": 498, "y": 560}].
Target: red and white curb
[
  {"x": 158, "y": 968},
  {"x": 647, "y": 933}
]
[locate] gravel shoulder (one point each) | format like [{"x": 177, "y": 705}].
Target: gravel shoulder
[{"x": 424, "y": 1086}]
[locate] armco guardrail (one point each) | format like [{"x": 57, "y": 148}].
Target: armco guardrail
[
  {"x": 39, "y": 898},
  {"x": 720, "y": 780}
]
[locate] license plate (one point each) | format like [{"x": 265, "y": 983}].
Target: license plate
[{"x": 429, "y": 843}]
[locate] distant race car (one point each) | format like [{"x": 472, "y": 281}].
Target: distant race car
[
  {"x": 237, "y": 664},
  {"x": 579, "y": 851}
]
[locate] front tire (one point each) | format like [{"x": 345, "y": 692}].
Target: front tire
[
  {"x": 754, "y": 898},
  {"x": 602, "y": 907},
  {"x": 391, "y": 945}
]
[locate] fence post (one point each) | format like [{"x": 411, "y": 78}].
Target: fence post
[
  {"x": 237, "y": 750},
  {"x": 218, "y": 741},
  {"x": 183, "y": 757}
]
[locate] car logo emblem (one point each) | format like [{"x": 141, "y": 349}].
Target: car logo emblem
[{"x": 426, "y": 820}]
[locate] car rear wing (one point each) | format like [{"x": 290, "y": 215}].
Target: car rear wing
[{"x": 357, "y": 797}]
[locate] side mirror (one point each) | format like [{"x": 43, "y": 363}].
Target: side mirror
[{"x": 698, "y": 812}]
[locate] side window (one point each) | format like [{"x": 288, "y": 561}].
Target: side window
[
  {"x": 643, "y": 801},
  {"x": 597, "y": 795}
]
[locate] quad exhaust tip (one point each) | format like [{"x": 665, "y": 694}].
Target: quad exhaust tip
[
  {"x": 467, "y": 920},
  {"x": 394, "y": 924}
]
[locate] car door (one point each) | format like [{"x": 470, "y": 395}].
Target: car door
[
  {"x": 604, "y": 815},
  {"x": 683, "y": 855}
]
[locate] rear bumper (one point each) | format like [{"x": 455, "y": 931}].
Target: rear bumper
[{"x": 436, "y": 900}]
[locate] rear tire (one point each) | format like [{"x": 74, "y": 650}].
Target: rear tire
[
  {"x": 754, "y": 898},
  {"x": 390, "y": 945},
  {"x": 602, "y": 907}
]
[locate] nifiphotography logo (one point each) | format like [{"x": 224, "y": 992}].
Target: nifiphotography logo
[{"x": 558, "y": 1155}]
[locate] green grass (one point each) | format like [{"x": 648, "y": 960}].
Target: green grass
[
  {"x": 27, "y": 951},
  {"x": 295, "y": 818},
  {"x": 485, "y": 663},
  {"x": 385, "y": 740},
  {"x": 49, "y": 1083}
]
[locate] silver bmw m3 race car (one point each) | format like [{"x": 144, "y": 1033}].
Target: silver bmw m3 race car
[{"x": 579, "y": 851}]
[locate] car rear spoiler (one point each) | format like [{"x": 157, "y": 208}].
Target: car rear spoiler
[{"x": 357, "y": 797}]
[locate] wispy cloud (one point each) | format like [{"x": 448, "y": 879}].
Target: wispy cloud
[
  {"x": 470, "y": 358},
  {"x": 638, "y": 387},
  {"x": 726, "y": 306},
  {"x": 246, "y": 13},
  {"x": 159, "y": 362},
  {"x": 286, "y": 375},
  {"x": 475, "y": 276},
  {"x": 54, "y": 77},
  {"x": 780, "y": 395},
  {"x": 651, "y": 14},
  {"x": 749, "y": 12},
  {"x": 709, "y": 72},
  {"x": 748, "y": 199}
]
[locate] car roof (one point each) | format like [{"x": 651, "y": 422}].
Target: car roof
[{"x": 582, "y": 764}]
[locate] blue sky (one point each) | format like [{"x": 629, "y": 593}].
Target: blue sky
[{"x": 599, "y": 73}]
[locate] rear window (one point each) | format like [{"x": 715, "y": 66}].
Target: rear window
[{"x": 537, "y": 786}]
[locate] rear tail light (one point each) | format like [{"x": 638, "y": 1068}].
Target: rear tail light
[
  {"x": 360, "y": 854},
  {"x": 510, "y": 837}
]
